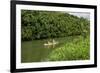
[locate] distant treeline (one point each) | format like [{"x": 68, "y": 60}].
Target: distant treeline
[{"x": 50, "y": 24}]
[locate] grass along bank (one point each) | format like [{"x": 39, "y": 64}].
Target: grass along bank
[{"x": 78, "y": 49}]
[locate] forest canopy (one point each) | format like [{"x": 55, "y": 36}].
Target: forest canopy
[{"x": 51, "y": 24}]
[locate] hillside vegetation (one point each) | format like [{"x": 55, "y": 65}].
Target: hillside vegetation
[{"x": 49, "y": 24}]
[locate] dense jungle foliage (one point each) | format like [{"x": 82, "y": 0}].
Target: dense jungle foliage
[{"x": 50, "y": 24}]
